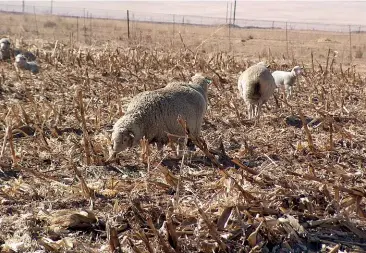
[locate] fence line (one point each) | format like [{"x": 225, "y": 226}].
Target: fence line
[{"x": 254, "y": 37}]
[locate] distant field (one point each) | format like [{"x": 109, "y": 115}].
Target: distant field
[{"x": 242, "y": 42}]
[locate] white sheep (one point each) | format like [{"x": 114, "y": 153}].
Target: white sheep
[
  {"x": 22, "y": 63},
  {"x": 153, "y": 114},
  {"x": 4, "y": 49},
  {"x": 286, "y": 80},
  {"x": 256, "y": 85}
]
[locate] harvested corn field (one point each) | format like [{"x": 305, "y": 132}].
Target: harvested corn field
[{"x": 293, "y": 182}]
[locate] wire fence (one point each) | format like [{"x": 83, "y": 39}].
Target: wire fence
[{"x": 253, "y": 38}]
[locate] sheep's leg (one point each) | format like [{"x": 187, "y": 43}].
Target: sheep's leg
[
  {"x": 250, "y": 111},
  {"x": 180, "y": 147},
  {"x": 258, "y": 113},
  {"x": 160, "y": 148},
  {"x": 289, "y": 92},
  {"x": 253, "y": 111},
  {"x": 276, "y": 99}
]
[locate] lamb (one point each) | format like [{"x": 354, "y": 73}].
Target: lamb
[
  {"x": 4, "y": 49},
  {"x": 22, "y": 63},
  {"x": 286, "y": 80},
  {"x": 153, "y": 114},
  {"x": 256, "y": 85}
]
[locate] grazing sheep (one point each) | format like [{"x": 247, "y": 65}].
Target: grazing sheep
[
  {"x": 286, "y": 80},
  {"x": 22, "y": 63},
  {"x": 28, "y": 55},
  {"x": 256, "y": 85},
  {"x": 6, "y": 52},
  {"x": 153, "y": 114},
  {"x": 4, "y": 49}
]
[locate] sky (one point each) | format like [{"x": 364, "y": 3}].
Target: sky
[{"x": 330, "y": 12}]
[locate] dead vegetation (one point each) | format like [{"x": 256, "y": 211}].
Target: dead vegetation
[{"x": 293, "y": 183}]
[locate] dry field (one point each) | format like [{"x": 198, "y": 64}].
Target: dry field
[
  {"x": 294, "y": 183},
  {"x": 253, "y": 43}
]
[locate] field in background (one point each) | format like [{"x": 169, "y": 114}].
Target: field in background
[
  {"x": 254, "y": 43},
  {"x": 293, "y": 183}
]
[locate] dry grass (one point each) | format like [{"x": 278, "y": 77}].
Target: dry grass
[
  {"x": 248, "y": 43},
  {"x": 293, "y": 183}
]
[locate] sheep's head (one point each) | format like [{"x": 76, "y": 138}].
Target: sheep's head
[
  {"x": 121, "y": 139},
  {"x": 297, "y": 70},
  {"x": 4, "y": 44},
  {"x": 20, "y": 60},
  {"x": 201, "y": 80}
]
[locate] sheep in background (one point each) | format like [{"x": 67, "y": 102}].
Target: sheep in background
[
  {"x": 256, "y": 85},
  {"x": 28, "y": 55},
  {"x": 22, "y": 63},
  {"x": 286, "y": 80},
  {"x": 153, "y": 114},
  {"x": 5, "y": 51}
]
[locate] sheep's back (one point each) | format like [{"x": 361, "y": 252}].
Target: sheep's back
[
  {"x": 158, "y": 111},
  {"x": 256, "y": 83}
]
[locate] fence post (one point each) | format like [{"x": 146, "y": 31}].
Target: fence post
[
  {"x": 77, "y": 28},
  {"x": 84, "y": 28},
  {"x": 350, "y": 43},
  {"x": 23, "y": 6},
  {"x": 35, "y": 18},
  {"x": 91, "y": 31},
  {"x": 287, "y": 42},
  {"x": 234, "y": 12},
  {"x": 128, "y": 24},
  {"x": 227, "y": 10},
  {"x": 173, "y": 26}
]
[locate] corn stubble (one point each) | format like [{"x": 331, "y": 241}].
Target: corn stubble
[{"x": 293, "y": 182}]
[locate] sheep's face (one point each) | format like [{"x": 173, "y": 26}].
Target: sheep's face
[
  {"x": 4, "y": 45},
  {"x": 297, "y": 70},
  {"x": 121, "y": 140},
  {"x": 199, "y": 78},
  {"x": 20, "y": 60}
]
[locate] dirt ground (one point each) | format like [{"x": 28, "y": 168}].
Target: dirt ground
[{"x": 295, "y": 182}]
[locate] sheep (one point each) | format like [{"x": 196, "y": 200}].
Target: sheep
[
  {"x": 6, "y": 52},
  {"x": 256, "y": 85},
  {"x": 4, "y": 49},
  {"x": 153, "y": 114},
  {"x": 28, "y": 55},
  {"x": 286, "y": 80},
  {"x": 22, "y": 63}
]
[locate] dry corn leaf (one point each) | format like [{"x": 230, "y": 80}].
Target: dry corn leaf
[
  {"x": 51, "y": 245},
  {"x": 252, "y": 238}
]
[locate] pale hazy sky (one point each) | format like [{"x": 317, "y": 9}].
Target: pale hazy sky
[{"x": 326, "y": 11}]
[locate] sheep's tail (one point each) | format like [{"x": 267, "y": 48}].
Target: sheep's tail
[
  {"x": 251, "y": 89},
  {"x": 254, "y": 90}
]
